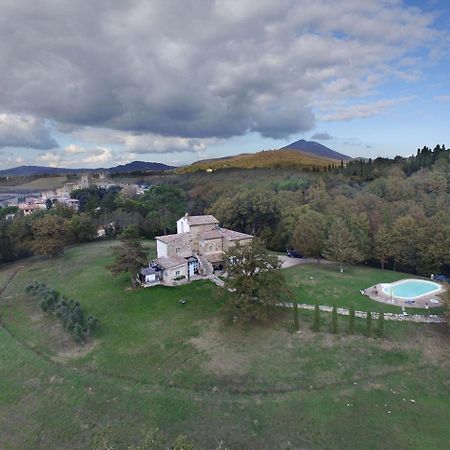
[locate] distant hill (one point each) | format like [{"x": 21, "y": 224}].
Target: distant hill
[
  {"x": 140, "y": 166},
  {"x": 261, "y": 160},
  {"x": 316, "y": 149},
  {"x": 135, "y": 166}
]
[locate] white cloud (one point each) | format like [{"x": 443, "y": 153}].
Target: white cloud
[
  {"x": 99, "y": 155},
  {"x": 74, "y": 149},
  {"x": 362, "y": 110},
  {"x": 442, "y": 98}
]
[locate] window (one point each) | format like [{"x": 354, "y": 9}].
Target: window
[
  {"x": 210, "y": 248},
  {"x": 177, "y": 250},
  {"x": 177, "y": 272}
]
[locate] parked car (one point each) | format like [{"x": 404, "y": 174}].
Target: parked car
[
  {"x": 293, "y": 253},
  {"x": 442, "y": 278}
]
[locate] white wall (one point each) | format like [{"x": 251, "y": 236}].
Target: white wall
[
  {"x": 182, "y": 225},
  {"x": 161, "y": 249}
]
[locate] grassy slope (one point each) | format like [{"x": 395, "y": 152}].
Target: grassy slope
[
  {"x": 265, "y": 159},
  {"x": 44, "y": 183},
  {"x": 158, "y": 363}
]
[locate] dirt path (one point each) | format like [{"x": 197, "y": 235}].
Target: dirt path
[
  {"x": 9, "y": 279},
  {"x": 286, "y": 261}
]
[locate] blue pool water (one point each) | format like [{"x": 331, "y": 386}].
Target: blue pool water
[{"x": 410, "y": 289}]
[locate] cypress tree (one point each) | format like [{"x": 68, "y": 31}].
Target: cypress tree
[
  {"x": 351, "y": 319},
  {"x": 316, "y": 319},
  {"x": 380, "y": 328},
  {"x": 369, "y": 324},
  {"x": 296, "y": 321},
  {"x": 334, "y": 320}
]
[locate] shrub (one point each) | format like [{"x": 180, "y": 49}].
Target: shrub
[
  {"x": 68, "y": 311},
  {"x": 316, "y": 318},
  {"x": 351, "y": 319},
  {"x": 369, "y": 324},
  {"x": 380, "y": 328},
  {"x": 334, "y": 320},
  {"x": 296, "y": 325}
]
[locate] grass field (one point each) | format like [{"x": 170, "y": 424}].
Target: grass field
[
  {"x": 44, "y": 183},
  {"x": 326, "y": 285},
  {"x": 155, "y": 363}
]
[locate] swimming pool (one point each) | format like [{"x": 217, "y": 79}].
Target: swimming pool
[{"x": 411, "y": 289}]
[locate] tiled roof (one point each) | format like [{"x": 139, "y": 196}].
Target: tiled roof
[
  {"x": 214, "y": 234},
  {"x": 234, "y": 235},
  {"x": 172, "y": 237},
  {"x": 169, "y": 263},
  {"x": 214, "y": 257},
  {"x": 201, "y": 220}
]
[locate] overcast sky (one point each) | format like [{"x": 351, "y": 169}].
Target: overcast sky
[{"x": 96, "y": 83}]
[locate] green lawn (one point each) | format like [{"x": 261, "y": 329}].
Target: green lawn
[
  {"x": 157, "y": 363},
  {"x": 328, "y": 286}
]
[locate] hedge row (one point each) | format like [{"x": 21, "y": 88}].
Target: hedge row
[{"x": 69, "y": 312}]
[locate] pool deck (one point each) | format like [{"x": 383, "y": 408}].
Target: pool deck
[{"x": 425, "y": 301}]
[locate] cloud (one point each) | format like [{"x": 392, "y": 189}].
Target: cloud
[
  {"x": 74, "y": 149},
  {"x": 442, "y": 98},
  {"x": 322, "y": 136},
  {"x": 24, "y": 131},
  {"x": 99, "y": 155},
  {"x": 200, "y": 70},
  {"x": 362, "y": 110}
]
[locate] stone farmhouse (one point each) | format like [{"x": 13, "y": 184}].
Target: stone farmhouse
[{"x": 195, "y": 251}]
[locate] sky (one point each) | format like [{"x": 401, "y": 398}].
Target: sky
[{"x": 96, "y": 84}]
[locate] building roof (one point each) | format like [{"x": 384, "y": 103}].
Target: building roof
[
  {"x": 214, "y": 234},
  {"x": 148, "y": 271},
  {"x": 234, "y": 235},
  {"x": 214, "y": 257},
  {"x": 169, "y": 263},
  {"x": 172, "y": 237},
  {"x": 201, "y": 220}
]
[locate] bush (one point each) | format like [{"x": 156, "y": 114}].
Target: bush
[
  {"x": 68, "y": 311},
  {"x": 351, "y": 319},
  {"x": 296, "y": 324},
  {"x": 316, "y": 318},
  {"x": 334, "y": 320},
  {"x": 369, "y": 324},
  {"x": 380, "y": 328}
]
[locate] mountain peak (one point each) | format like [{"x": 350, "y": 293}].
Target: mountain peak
[{"x": 316, "y": 149}]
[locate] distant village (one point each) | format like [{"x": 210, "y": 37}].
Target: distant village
[{"x": 42, "y": 200}]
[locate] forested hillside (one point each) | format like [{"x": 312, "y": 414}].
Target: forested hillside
[{"x": 392, "y": 212}]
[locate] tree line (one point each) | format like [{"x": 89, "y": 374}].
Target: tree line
[{"x": 393, "y": 212}]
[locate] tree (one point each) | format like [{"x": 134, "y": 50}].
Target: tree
[
  {"x": 383, "y": 245},
  {"x": 249, "y": 212},
  {"x": 82, "y": 229},
  {"x": 254, "y": 283},
  {"x": 130, "y": 256},
  {"x": 309, "y": 235},
  {"x": 296, "y": 324},
  {"x": 380, "y": 327},
  {"x": 164, "y": 204},
  {"x": 316, "y": 318},
  {"x": 341, "y": 245},
  {"x": 369, "y": 324},
  {"x": 351, "y": 319},
  {"x": 404, "y": 241},
  {"x": 334, "y": 320},
  {"x": 50, "y": 235}
]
